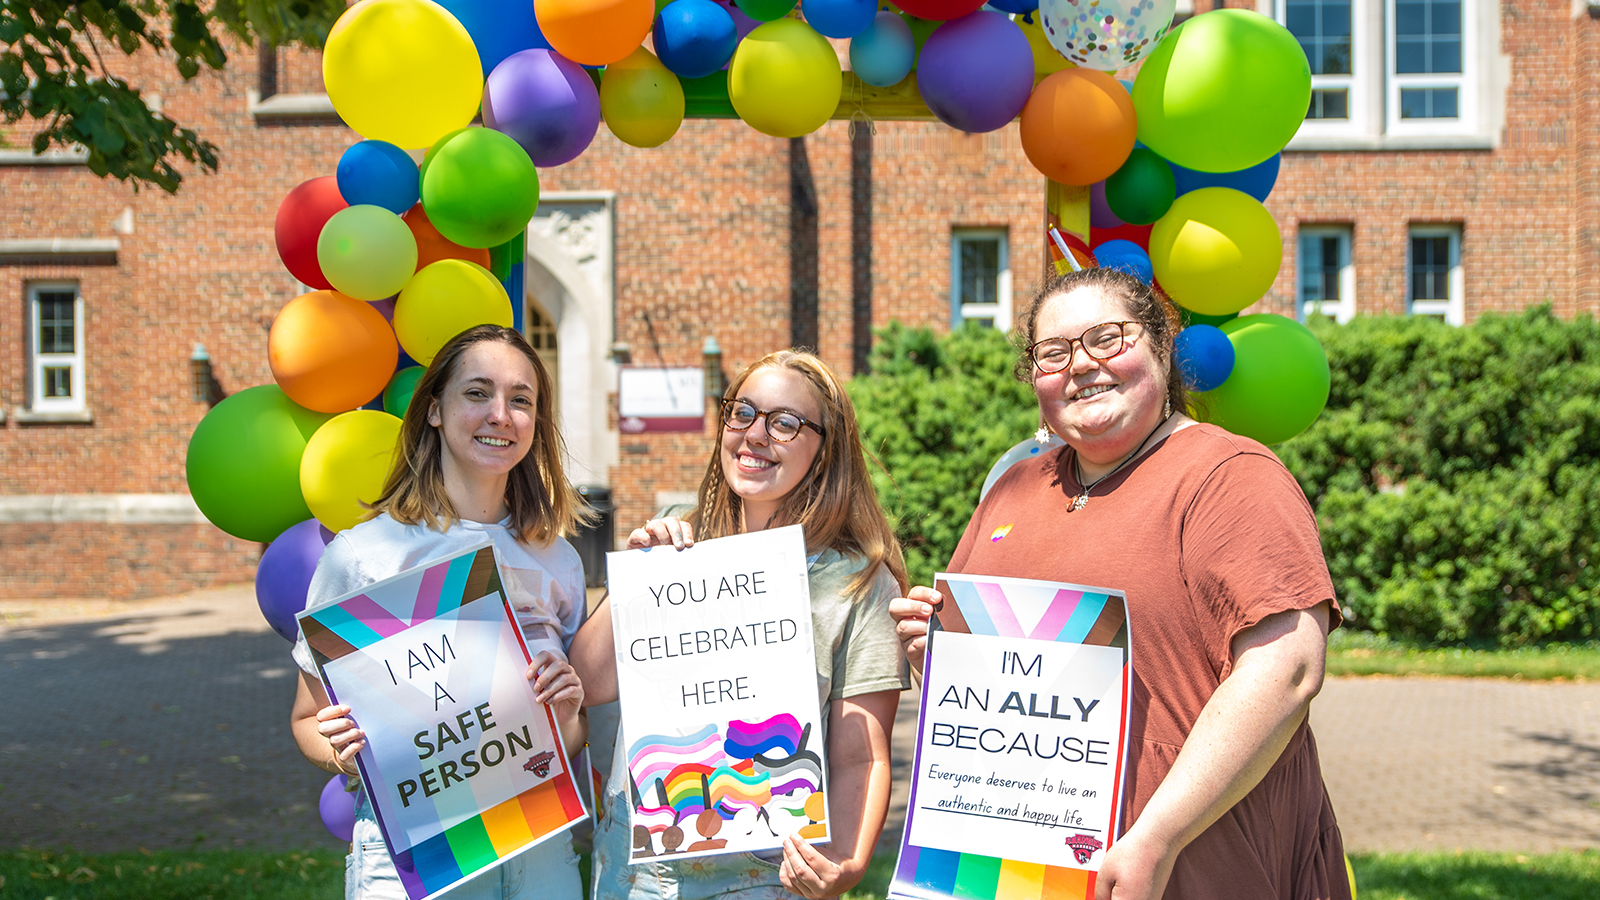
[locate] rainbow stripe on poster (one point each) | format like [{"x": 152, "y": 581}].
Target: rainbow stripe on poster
[
  {"x": 1017, "y": 608},
  {"x": 390, "y": 607}
]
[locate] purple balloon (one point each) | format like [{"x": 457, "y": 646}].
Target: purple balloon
[
  {"x": 1100, "y": 214},
  {"x": 338, "y": 808},
  {"x": 284, "y": 575},
  {"x": 742, "y": 23},
  {"x": 545, "y": 102},
  {"x": 976, "y": 72}
]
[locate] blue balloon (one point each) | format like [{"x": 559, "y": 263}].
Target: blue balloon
[
  {"x": 1015, "y": 7},
  {"x": 379, "y": 173},
  {"x": 1126, "y": 256},
  {"x": 498, "y": 28},
  {"x": 694, "y": 37},
  {"x": 839, "y": 18},
  {"x": 1257, "y": 181},
  {"x": 1204, "y": 355},
  {"x": 883, "y": 54}
]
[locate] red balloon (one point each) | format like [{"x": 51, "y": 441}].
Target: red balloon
[
  {"x": 300, "y": 219},
  {"x": 1139, "y": 234},
  {"x": 940, "y": 10}
]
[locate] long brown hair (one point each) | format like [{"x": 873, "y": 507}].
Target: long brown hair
[
  {"x": 1143, "y": 303},
  {"x": 543, "y": 505},
  {"x": 835, "y": 501}
]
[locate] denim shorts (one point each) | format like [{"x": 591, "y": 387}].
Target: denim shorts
[{"x": 547, "y": 872}]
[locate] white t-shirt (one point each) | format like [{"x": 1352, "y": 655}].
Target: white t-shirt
[{"x": 544, "y": 584}]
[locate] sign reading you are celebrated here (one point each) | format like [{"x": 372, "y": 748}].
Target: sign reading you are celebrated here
[
  {"x": 463, "y": 766},
  {"x": 1016, "y": 790},
  {"x": 717, "y": 675}
]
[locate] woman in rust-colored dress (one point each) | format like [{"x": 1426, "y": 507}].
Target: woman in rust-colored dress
[{"x": 1229, "y": 600}]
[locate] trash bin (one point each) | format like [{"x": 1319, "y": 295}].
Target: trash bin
[{"x": 594, "y": 541}]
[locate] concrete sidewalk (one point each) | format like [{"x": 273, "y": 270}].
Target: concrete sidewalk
[{"x": 165, "y": 724}]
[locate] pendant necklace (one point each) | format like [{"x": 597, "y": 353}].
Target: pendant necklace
[{"x": 1082, "y": 499}]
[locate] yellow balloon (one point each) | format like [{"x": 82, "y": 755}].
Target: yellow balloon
[
  {"x": 1046, "y": 58},
  {"x": 402, "y": 71},
  {"x": 1216, "y": 251},
  {"x": 641, "y": 100},
  {"x": 443, "y": 300},
  {"x": 784, "y": 79},
  {"x": 346, "y": 464}
]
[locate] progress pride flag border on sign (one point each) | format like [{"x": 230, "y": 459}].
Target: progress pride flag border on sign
[{"x": 476, "y": 659}]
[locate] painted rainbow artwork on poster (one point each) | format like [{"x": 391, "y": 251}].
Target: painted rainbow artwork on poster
[
  {"x": 388, "y": 608},
  {"x": 1017, "y": 608}
]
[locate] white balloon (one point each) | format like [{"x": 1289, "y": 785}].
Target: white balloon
[
  {"x": 1108, "y": 35},
  {"x": 1025, "y": 450}
]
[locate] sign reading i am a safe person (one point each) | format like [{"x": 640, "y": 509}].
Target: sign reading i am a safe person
[{"x": 716, "y": 671}]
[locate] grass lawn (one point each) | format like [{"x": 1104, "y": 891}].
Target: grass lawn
[
  {"x": 253, "y": 875},
  {"x": 1477, "y": 876},
  {"x": 1362, "y": 653}
]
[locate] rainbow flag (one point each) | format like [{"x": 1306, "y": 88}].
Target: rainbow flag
[
  {"x": 1015, "y": 608},
  {"x": 506, "y": 783}
]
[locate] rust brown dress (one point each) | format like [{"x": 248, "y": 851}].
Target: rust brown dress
[{"x": 1207, "y": 534}]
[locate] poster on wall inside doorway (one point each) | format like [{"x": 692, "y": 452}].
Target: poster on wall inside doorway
[{"x": 654, "y": 399}]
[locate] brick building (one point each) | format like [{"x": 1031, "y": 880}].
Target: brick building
[{"x": 1451, "y": 167}]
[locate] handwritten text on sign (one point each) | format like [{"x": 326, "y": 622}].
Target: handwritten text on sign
[{"x": 1018, "y": 749}]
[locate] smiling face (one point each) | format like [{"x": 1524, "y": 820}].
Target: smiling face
[
  {"x": 486, "y": 413},
  {"x": 1103, "y": 408},
  {"x": 760, "y": 470}
]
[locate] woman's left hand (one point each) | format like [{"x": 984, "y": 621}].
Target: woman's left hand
[
  {"x": 1134, "y": 870},
  {"x": 809, "y": 872},
  {"x": 556, "y": 684}
]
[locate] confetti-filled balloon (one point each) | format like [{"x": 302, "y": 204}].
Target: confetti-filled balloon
[{"x": 1107, "y": 34}]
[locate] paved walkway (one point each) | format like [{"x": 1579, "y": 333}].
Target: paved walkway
[{"x": 164, "y": 723}]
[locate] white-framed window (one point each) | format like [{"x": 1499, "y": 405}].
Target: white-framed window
[
  {"x": 55, "y": 347},
  {"x": 1434, "y": 283},
  {"x": 1325, "y": 31},
  {"x": 1432, "y": 51},
  {"x": 980, "y": 277},
  {"x": 1327, "y": 279}
]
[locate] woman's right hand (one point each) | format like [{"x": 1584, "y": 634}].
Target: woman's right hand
[
  {"x": 335, "y": 724},
  {"x": 665, "y": 530},
  {"x": 911, "y": 617}
]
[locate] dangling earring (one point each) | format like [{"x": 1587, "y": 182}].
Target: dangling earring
[
  {"x": 1044, "y": 433},
  {"x": 1166, "y": 408}
]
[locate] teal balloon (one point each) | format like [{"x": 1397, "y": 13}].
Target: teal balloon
[
  {"x": 1143, "y": 189},
  {"x": 1280, "y": 380},
  {"x": 244, "y": 463},
  {"x": 397, "y": 396},
  {"x": 479, "y": 188}
]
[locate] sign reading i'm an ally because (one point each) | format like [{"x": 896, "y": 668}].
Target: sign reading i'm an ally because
[
  {"x": 1016, "y": 791},
  {"x": 464, "y": 768},
  {"x": 716, "y": 671}
]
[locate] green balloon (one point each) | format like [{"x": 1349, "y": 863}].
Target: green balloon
[
  {"x": 397, "y": 396},
  {"x": 1222, "y": 92},
  {"x": 479, "y": 188},
  {"x": 1143, "y": 189},
  {"x": 1279, "y": 383},
  {"x": 922, "y": 29},
  {"x": 244, "y": 463},
  {"x": 767, "y": 10},
  {"x": 1190, "y": 317}
]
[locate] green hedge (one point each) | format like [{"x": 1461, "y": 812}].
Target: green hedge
[{"x": 1454, "y": 472}]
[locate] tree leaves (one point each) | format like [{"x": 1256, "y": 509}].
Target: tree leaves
[{"x": 52, "y": 70}]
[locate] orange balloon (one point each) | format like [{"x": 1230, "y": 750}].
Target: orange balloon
[
  {"x": 1078, "y": 126},
  {"x": 433, "y": 246},
  {"x": 330, "y": 353},
  {"x": 594, "y": 32}
]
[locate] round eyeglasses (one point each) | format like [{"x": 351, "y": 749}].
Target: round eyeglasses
[
  {"x": 782, "y": 426},
  {"x": 1101, "y": 342}
]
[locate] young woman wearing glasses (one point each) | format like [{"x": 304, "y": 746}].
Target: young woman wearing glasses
[
  {"x": 789, "y": 453},
  {"x": 1229, "y": 600}
]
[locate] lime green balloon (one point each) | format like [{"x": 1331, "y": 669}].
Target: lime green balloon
[
  {"x": 1216, "y": 251},
  {"x": 1279, "y": 383},
  {"x": 765, "y": 10},
  {"x": 1143, "y": 189},
  {"x": 397, "y": 396},
  {"x": 784, "y": 79},
  {"x": 479, "y": 188},
  {"x": 367, "y": 252},
  {"x": 1223, "y": 91},
  {"x": 243, "y": 463}
]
